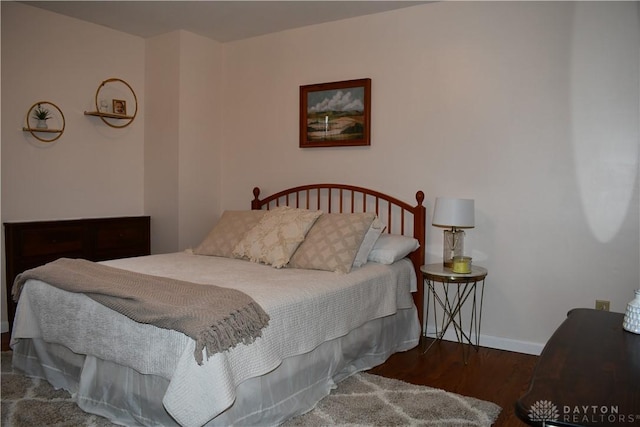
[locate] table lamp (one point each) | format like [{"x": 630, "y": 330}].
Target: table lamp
[{"x": 454, "y": 214}]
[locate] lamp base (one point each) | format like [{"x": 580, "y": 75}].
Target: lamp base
[{"x": 453, "y": 246}]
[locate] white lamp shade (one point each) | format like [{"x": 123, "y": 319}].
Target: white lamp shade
[{"x": 454, "y": 213}]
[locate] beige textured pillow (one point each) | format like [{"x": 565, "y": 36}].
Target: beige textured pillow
[
  {"x": 228, "y": 231},
  {"x": 277, "y": 236},
  {"x": 332, "y": 242}
]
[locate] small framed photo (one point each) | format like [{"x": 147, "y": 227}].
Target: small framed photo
[
  {"x": 335, "y": 114},
  {"x": 119, "y": 107}
]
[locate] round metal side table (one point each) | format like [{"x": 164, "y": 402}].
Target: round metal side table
[{"x": 450, "y": 291}]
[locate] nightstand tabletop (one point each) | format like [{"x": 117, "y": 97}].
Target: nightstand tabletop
[{"x": 439, "y": 272}]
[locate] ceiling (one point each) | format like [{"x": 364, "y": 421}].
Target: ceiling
[{"x": 223, "y": 21}]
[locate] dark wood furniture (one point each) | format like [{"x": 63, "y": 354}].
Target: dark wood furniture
[
  {"x": 30, "y": 244},
  {"x": 588, "y": 372}
]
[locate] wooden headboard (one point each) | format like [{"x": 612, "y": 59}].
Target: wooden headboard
[{"x": 400, "y": 217}]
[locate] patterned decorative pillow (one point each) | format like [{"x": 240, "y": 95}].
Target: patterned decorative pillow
[
  {"x": 277, "y": 236},
  {"x": 332, "y": 242},
  {"x": 228, "y": 231}
]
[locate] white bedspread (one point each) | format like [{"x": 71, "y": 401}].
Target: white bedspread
[{"x": 306, "y": 307}]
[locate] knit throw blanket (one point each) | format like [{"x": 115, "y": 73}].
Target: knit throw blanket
[{"x": 216, "y": 318}]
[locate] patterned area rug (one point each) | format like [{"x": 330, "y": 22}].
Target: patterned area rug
[{"x": 361, "y": 400}]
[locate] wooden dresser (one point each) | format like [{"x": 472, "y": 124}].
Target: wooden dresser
[
  {"x": 587, "y": 375},
  {"x": 30, "y": 244}
]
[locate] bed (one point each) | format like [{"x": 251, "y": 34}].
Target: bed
[{"x": 325, "y": 323}]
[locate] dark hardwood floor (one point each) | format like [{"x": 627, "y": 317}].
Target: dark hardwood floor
[
  {"x": 494, "y": 375},
  {"x": 5, "y": 341}
]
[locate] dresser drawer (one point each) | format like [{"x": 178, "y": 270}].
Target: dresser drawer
[
  {"x": 120, "y": 235},
  {"x": 52, "y": 240}
]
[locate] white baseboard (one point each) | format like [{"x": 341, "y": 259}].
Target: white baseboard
[
  {"x": 495, "y": 342},
  {"x": 5, "y": 326}
]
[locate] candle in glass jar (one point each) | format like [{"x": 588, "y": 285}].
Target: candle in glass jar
[{"x": 461, "y": 264}]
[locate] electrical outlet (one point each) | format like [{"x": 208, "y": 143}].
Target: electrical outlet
[{"x": 602, "y": 305}]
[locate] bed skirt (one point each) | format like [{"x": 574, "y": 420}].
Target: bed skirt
[{"x": 293, "y": 388}]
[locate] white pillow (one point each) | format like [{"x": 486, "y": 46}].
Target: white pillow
[
  {"x": 389, "y": 248},
  {"x": 277, "y": 236},
  {"x": 375, "y": 230}
]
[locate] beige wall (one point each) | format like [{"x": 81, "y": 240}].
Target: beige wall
[
  {"x": 201, "y": 123},
  {"x": 529, "y": 108},
  {"x": 65, "y": 63},
  {"x": 182, "y": 154},
  {"x": 161, "y": 143}
]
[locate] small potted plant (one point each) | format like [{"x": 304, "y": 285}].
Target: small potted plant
[{"x": 41, "y": 114}]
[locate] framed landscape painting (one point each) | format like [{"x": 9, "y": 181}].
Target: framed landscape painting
[{"x": 335, "y": 114}]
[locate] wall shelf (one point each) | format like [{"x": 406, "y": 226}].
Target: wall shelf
[
  {"x": 105, "y": 116},
  {"x": 37, "y": 132},
  {"x": 42, "y": 130},
  {"x": 109, "y": 115}
]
